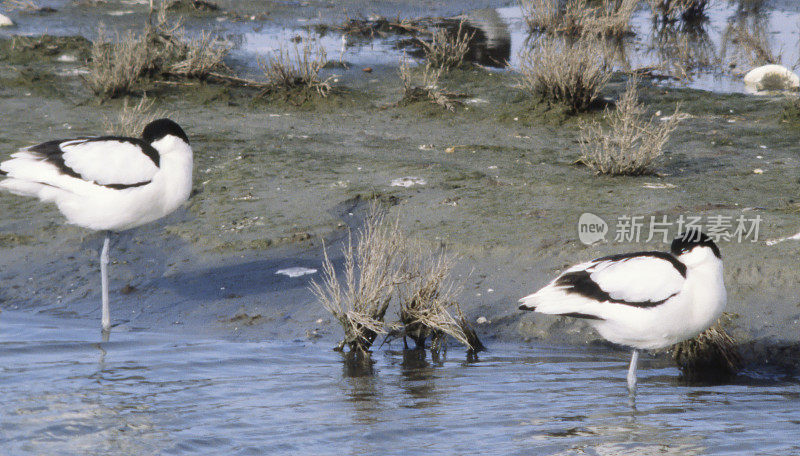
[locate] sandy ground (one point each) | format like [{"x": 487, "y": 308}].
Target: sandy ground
[{"x": 274, "y": 178}]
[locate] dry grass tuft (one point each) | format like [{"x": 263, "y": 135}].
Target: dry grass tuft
[
  {"x": 711, "y": 356},
  {"x": 162, "y": 51},
  {"x": 673, "y": 10},
  {"x": 425, "y": 86},
  {"x": 131, "y": 119},
  {"x": 427, "y": 301},
  {"x": 554, "y": 69},
  {"x": 116, "y": 66},
  {"x": 360, "y": 302},
  {"x": 447, "y": 51},
  {"x": 578, "y": 17},
  {"x": 631, "y": 143},
  {"x": 287, "y": 71}
]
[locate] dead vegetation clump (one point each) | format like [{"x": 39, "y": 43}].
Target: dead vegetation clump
[
  {"x": 116, "y": 66},
  {"x": 161, "y": 52},
  {"x": 359, "y": 301},
  {"x": 428, "y": 308},
  {"x": 711, "y": 356},
  {"x": 424, "y": 85},
  {"x": 446, "y": 50},
  {"x": 578, "y": 17},
  {"x": 286, "y": 70},
  {"x": 673, "y": 10},
  {"x": 565, "y": 71},
  {"x": 631, "y": 143},
  {"x": 385, "y": 266},
  {"x": 131, "y": 119}
]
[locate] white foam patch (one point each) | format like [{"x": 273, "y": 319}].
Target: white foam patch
[
  {"x": 296, "y": 272},
  {"x": 408, "y": 181}
]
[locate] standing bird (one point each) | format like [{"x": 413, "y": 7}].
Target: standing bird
[
  {"x": 644, "y": 300},
  {"x": 107, "y": 183}
]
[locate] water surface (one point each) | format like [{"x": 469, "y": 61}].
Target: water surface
[{"x": 67, "y": 392}]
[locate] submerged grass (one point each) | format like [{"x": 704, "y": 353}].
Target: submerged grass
[
  {"x": 631, "y": 144},
  {"x": 565, "y": 71}
]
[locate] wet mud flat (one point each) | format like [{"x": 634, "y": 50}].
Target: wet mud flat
[{"x": 494, "y": 182}]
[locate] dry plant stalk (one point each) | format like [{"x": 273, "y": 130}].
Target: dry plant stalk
[
  {"x": 427, "y": 300},
  {"x": 371, "y": 273},
  {"x": 712, "y": 355},
  {"x": 673, "y": 10},
  {"x": 447, "y": 51},
  {"x": 115, "y": 66},
  {"x": 631, "y": 144},
  {"x": 555, "y": 70},
  {"x": 425, "y": 87},
  {"x": 577, "y": 17},
  {"x": 286, "y": 71},
  {"x": 131, "y": 119}
]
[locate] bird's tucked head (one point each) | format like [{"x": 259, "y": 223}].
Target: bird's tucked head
[
  {"x": 694, "y": 247},
  {"x": 161, "y": 128}
]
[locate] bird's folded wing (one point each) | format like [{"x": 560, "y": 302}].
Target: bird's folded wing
[
  {"x": 109, "y": 161},
  {"x": 641, "y": 280}
]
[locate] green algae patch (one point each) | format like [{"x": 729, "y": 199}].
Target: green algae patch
[
  {"x": 24, "y": 50},
  {"x": 8, "y": 240},
  {"x": 529, "y": 112}
]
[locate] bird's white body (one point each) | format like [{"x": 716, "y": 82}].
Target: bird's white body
[
  {"x": 85, "y": 200},
  {"x": 652, "y": 304},
  {"x": 645, "y": 300},
  {"x": 107, "y": 183}
]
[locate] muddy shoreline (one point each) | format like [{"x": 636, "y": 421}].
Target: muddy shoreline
[{"x": 273, "y": 178}]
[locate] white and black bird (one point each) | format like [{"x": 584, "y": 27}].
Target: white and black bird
[
  {"x": 107, "y": 183},
  {"x": 644, "y": 300}
]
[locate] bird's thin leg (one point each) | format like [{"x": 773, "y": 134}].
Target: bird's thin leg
[
  {"x": 106, "y": 318},
  {"x": 632, "y": 371}
]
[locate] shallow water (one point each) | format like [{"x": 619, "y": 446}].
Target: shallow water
[
  {"x": 67, "y": 392},
  {"x": 713, "y": 45}
]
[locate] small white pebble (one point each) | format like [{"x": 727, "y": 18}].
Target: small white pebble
[
  {"x": 758, "y": 171},
  {"x": 759, "y": 156},
  {"x": 482, "y": 320},
  {"x": 490, "y": 290},
  {"x": 319, "y": 321}
]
